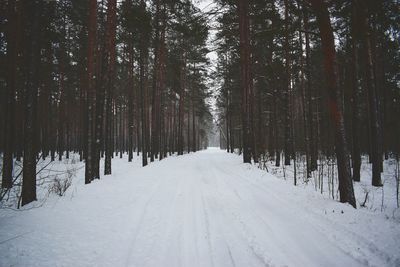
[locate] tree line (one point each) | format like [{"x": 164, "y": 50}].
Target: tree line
[
  {"x": 310, "y": 79},
  {"x": 100, "y": 78}
]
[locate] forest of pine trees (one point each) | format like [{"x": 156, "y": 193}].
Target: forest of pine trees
[
  {"x": 296, "y": 80},
  {"x": 310, "y": 80},
  {"x": 100, "y": 78}
]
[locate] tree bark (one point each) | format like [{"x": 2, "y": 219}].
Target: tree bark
[
  {"x": 90, "y": 91},
  {"x": 287, "y": 133},
  {"x": 328, "y": 46},
  {"x": 10, "y": 95},
  {"x": 376, "y": 149},
  {"x": 32, "y": 18},
  {"x": 355, "y": 110},
  {"x": 142, "y": 84},
  {"x": 244, "y": 31},
  {"x": 181, "y": 103},
  {"x": 130, "y": 100}
]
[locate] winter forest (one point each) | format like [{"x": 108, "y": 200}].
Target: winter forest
[{"x": 200, "y": 133}]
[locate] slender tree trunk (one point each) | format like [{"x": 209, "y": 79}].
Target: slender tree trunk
[
  {"x": 130, "y": 101},
  {"x": 244, "y": 30},
  {"x": 355, "y": 110},
  {"x": 304, "y": 104},
  {"x": 90, "y": 91},
  {"x": 101, "y": 61},
  {"x": 108, "y": 131},
  {"x": 112, "y": 22},
  {"x": 188, "y": 126},
  {"x": 375, "y": 141},
  {"x": 161, "y": 141},
  {"x": 193, "y": 129},
  {"x": 287, "y": 133},
  {"x": 309, "y": 98},
  {"x": 10, "y": 95},
  {"x": 155, "y": 109},
  {"x": 142, "y": 84},
  {"x": 276, "y": 133},
  {"x": 32, "y": 18},
  {"x": 61, "y": 107},
  {"x": 181, "y": 105}
]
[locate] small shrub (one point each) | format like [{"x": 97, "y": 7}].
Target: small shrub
[{"x": 61, "y": 185}]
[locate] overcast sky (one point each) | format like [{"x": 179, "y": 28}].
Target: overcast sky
[{"x": 205, "y": 6}]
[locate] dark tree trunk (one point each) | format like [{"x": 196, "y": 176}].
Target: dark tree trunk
[
  {"x": 161, "y": 83},
  {"x": 130, "y": 101},
  {"x": 112, "y": 20},
  {"x": 155, "y": 110},
  {"x": 101, "y": 62},
  {"x": 355, "y": 110},
  {"x": 276, "y": 132},
  {"x": 32, "y": 9},
  {"x": 328, "y": 47},
  {"x": 89, "y": 171},
  {"x": 193, "y": 129},
  {"x": 287, "y": 133},
  {"x": 181, "y": 109},
  {"x": 143, "y": 94},
  {"x": 375, "y": 140},
  {"x": 188, "y": 126},
  {"x": 244, "y": 30},
  {"x": 108, "y": 131},
  {"x": 61, "y": 107},
  {"x": 104, "y": 60},
  {"x": 309, "y": 101},
  {"x": 10, "y": 95}
]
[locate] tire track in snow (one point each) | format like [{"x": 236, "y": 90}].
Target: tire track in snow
[
  {"x": 228, "y": 224},
  {"x": 139, "y": 225},
  {"x": 319, "y": 223},
  {"x": 257, "y": 216}
]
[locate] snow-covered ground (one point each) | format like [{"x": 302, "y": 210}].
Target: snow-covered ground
[
  {"x": 200, "y": 209},
  {"x": 325, "y": 180}
]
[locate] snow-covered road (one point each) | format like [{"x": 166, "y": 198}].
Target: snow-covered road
[{"x": 201, "y": 209}]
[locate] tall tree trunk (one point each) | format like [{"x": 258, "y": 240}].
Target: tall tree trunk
[
  {"x": 90, "y": 91},
  {"x": 328, "y": 47},
  {"x": 287, "y": 133},
  {"x": 10, "y": 95},
  {"x": 130, "y": 100},
  {"x": 244, "y": 30},
  {"x": 355, "y": 110},
  {"x": 155, "y": 109},
  {"x": 161, "y": 83},
  {"x": 111, "y": 36},
  {"x": 304, "y": 100},
  {"x": 376, "y": 149},
  {"x": 143, "y": 94},
  {"x": 188, "y": 126},
  {"x": 101, "y": 62},
  {"x": 181, "y": 109},
  {"x": 193, "y": 129},
  {"x": 108, "y": 130},
  {"x": 32, "y": 9},
  {"x": 309, "y": 98},
  {"x": 61, "y": 105}
]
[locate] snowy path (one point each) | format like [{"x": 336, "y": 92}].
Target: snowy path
[{"x": 202, "y": 209}]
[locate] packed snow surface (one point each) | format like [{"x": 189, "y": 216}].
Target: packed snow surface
[{"x": 200, "y": 209}]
